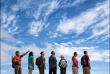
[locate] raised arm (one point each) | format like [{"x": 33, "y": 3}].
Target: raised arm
[{"x": 24, "y": 54}]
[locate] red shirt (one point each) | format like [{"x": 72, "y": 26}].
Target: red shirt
[
  {"x": 74, "y": 59},
  {"x": 17, "y": 58},
  {"x": 87, "y": 57}
]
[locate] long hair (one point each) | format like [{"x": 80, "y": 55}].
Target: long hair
[{"x": 30, "y": 54}]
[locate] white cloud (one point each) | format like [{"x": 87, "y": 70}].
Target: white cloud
[
  {"x": 52, "y": 6},
  {"x": 79, "y": 41},
  {"x": 52, "y": 35},
  {"x": 69, "y": 3},
  {"x": 8, "y": 37},
  {"x": 79, "y": 24},
  {"x": 101, "y": 28},
  {"x": 7, "y": 52},
  {"x": 36, "y": 27},
  {"x": 24, "y": 4},
  {"x": 7, "y": 19},
  {"x": 4, "y": 17},
  {"x": 45, "y": 9},
  {"x": 9, "y": 22},
  {"x": 15, "y": 8}
]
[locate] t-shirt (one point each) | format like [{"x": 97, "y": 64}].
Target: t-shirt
[
  {"x": 30, "y": 60},
  {"x": 52, "y": 61},
  {"x": 74, "y": 59},
  {"x": 17, "y": 58},
  {"x": 87, "y": 58}
]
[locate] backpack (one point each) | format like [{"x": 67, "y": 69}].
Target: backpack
[
  {"x": 39, "y": 61},
  {"x": 84, "y": 61},
  {"x": 13, "y": 64},
  {"x": 63, "y": 63}
]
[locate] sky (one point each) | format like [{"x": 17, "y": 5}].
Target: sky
[{"x": 63, "y": 26}]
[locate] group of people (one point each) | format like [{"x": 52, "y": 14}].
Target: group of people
[{"x": 40, "y": 62}]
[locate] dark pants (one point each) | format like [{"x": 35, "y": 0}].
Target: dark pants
[
  {"x": 41, "y": 70},
  {"x": 53, "y": 70},
  {"x": 63, "y": 70},
  {"x": 18, "y": 69}
]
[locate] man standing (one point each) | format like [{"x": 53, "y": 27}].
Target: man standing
[
  {"x": 42, "y": 65},
  {"x": 86, "y": 67},
  {"x": 52, "y": 63},
  {"x": 17, "y": 62}
]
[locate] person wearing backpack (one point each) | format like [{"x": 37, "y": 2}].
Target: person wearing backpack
[
  {"x": 75, "y": 64},
  {"x": 52, "y": 63},
  {"x": 17, "y": 62},
  {"x": 63, "y": 65},
  {"x": 40, "y": 62},
  {"x": 30, "y": 62},
  {"x": 85, "y": 62}
]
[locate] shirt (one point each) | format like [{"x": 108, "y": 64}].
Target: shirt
[
  {"x": 43, "y": 60},
  {"x": 52, "y": 61},
  {"x": 74, "y": 59},
  {"x": 87, "y": 58},
  {"x": 30, "y": 60},
  {"x": 17, "y": 58}
]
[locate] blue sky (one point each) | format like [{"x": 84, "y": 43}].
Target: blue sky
[{"x": 64, "y": 26}]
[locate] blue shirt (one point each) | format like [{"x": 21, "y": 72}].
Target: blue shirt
[
  {"x": 52, "y": 61},
  {"x": 30, "y": 60}
]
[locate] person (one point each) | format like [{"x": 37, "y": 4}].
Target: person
[
  {"x": 30, "y": 62},
  {"x": 52, "y": 63},
  {"x": 87, "y": 67},
  {"x": 17, "y": 62},
  {"x": 42, "y": 65},
  {"x": 75, "y": 64},
  {"x": 63, "y": 65}
]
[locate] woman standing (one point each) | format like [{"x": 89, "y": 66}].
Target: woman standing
[
  {"x": 75, "y": 64},
  {"x": 63, "y": 65},
  {"x": 30, "y": 62}
]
